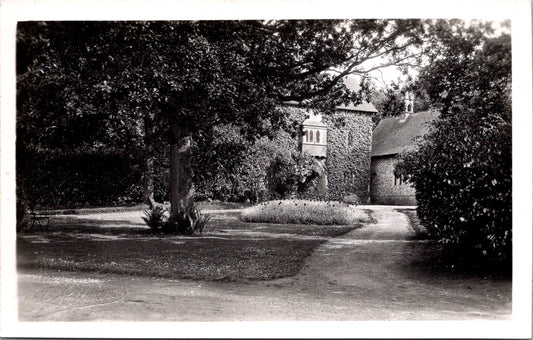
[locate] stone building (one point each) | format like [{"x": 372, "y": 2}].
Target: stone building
[
  {"x": 341, "y": 144},
  {"x": 354, "y": 160},
  {"x": 391, "y": 137}
]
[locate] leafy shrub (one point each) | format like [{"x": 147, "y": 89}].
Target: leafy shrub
[
  {"x": 235, "y": 168},
  {"x": 156, "y": 218},
  {"x": 305, "y": 212},
  {"x": 64, "y": 179},
  {"x": 352, "y": 199},
  {"x": 291, "y": 175},
  {"x": 281, "y": 176},
  {"x": 462, "y": 171},
  {"x": 188, "y": 222},
  {"x": 464, "y": 192}
]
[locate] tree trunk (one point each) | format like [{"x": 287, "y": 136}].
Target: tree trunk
[
  {"x": 148, "y": 178},
  {"x": 181, "y": 187},
  {"x": 147, "y": 166}
]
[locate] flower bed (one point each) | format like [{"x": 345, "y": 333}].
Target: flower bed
[{"x": 305, "y": 212}]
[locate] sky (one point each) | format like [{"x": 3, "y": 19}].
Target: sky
[{"x": 385, "y": 76}]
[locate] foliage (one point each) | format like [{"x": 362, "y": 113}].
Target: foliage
[
  {"x": 156, "y": 218},
  {"x": 351, "y": 199},
  {"x": 76, "y": 179},
  {"x": 305, "y": 212},
  {"x": 233, "y": 168},
  {"x": 291, "y": 174},
  {"x": 462, "y": 169},
  {"x": 349, "y": 147},
  {"x": 390, "y": 101},
  {"x": 237, "y": 170},
  {"x": 282, "y": 178},
  {"x": 188, "y": 222},
  {"x": 101, "y": 85}
]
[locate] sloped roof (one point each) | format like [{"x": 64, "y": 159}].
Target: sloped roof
[{"x": 396, "y": 134}]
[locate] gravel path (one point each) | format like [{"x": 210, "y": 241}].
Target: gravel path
[{"x": 373, "y": 273}]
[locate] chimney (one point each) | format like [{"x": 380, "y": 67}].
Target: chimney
[{"x": 409, "y": 104}]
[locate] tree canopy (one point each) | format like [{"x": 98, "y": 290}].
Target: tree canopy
[
  {"x": 203, "y": 73},
  {"x": 131, "y": 85}
]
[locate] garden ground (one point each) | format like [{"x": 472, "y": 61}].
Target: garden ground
[{"x": 379, "y": 271}]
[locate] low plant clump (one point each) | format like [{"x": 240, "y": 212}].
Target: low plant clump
[
  {"x": 188, "y": 222},
  {"x": 305, "y": 212}
]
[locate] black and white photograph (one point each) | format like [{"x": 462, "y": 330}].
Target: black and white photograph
[{"x": 266, "y": 174}]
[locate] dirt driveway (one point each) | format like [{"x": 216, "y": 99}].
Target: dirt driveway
[{"x": 377, "y": 272}]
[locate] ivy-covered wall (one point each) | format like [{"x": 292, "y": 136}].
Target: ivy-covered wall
[
  {"x": 347, "y": 165},
  {"x": 348, "y": 160}
]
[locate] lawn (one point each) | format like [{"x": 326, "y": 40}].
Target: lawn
[
  {"x": 420, "y": 231},
  {"x": 229, "y": 249}
]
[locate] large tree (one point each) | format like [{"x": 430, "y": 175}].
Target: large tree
[
  {"x": 125, "y": 84},
  {"x": 462, "y": 169}
]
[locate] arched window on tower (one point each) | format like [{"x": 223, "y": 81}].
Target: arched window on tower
[{"x": 314, "y": 139}]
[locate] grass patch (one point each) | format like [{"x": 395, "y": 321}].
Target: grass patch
[
  {"x": 199, "y": 259},
  {"x": 230, "y": 250},
  {"x": 305, "y": 212},
  {"x": 420, "y": 232}
]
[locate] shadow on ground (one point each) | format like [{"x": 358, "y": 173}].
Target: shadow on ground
[
  {"x": 229, "y": 249},
  {"x": 243, "y": 271}
]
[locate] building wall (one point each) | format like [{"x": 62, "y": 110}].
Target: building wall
[
  {"x": 348, "y": 154},
  {"x": 386, "y": 188}
]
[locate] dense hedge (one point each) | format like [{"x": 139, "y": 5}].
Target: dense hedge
[
  {"x": 227, "y": 165},
  {"x": 462, "y": 177},
  {"x": 231, "y": 168},
  {"x": 68, "y": 180},
  {"x": 462, "y": 172}
]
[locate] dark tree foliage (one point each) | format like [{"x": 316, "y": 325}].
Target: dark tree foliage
[
  {"x": 291, "y": 175},
  {"x": 462, "y": 169},
  {"x": 94, "y": 86},
  {"x": 390, "y": 101}
]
